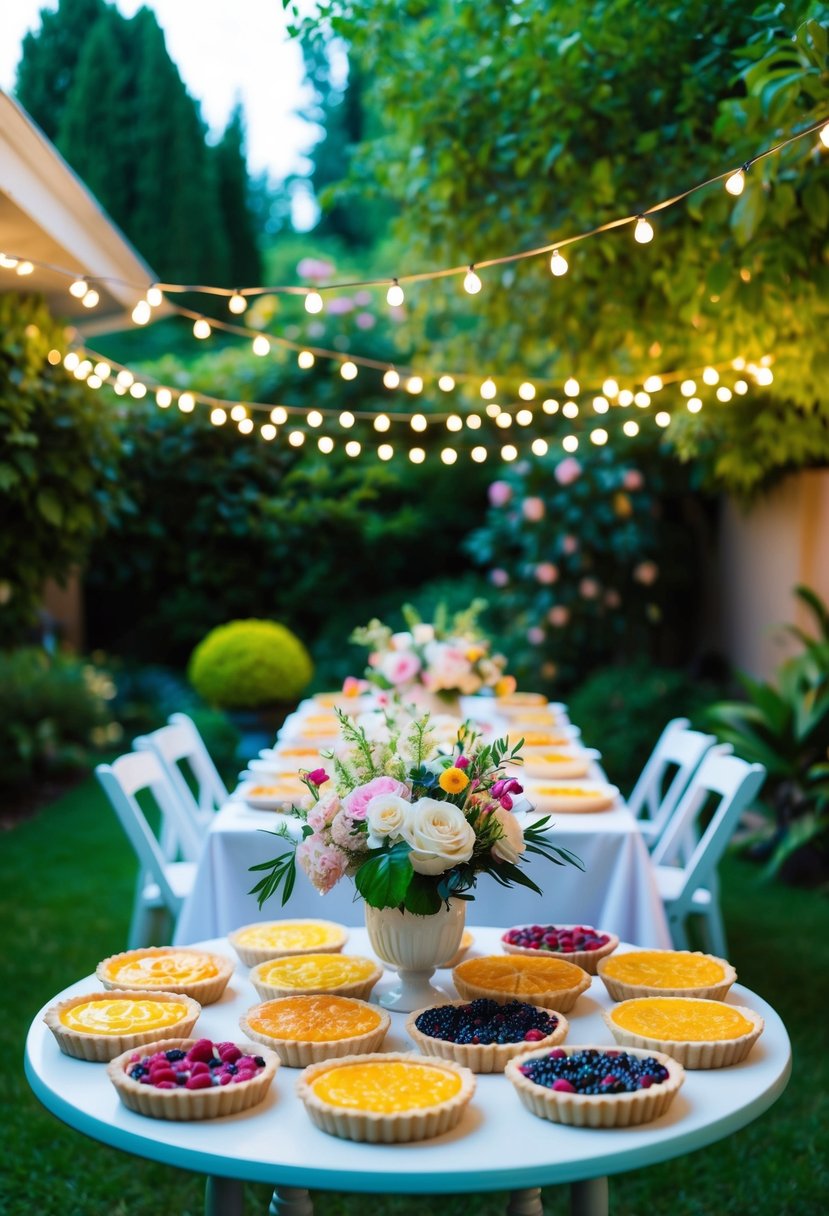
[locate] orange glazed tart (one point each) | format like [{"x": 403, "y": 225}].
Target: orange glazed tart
[
  {"x": 195, "y": 973},
  {"x": 305, "y": 1030},
  {"x": 276, "y": 938},
  {"x": 386, "y": 1099},
  {"x": 666, "y": 973},
  {"x": 192, "y": 1078},
  {"x": 484, "y": 1034},
  {"x": 551, "y": 983},
  {"x": 99, "y": 1026},
  {"x": 571, "y": 799},
  {"x": 698, "y": 1033},
  {"x": 596, "y": 1086},
  {"x": 343, "y": 974},
  {"x": 579, "y": 944}
]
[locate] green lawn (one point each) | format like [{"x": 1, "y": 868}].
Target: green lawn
[{"x": 65, "y": 891}]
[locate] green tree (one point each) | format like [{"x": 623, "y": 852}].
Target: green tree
[
  {"x": 238, "y": 218},
  {"x": 50, "y": 54}
]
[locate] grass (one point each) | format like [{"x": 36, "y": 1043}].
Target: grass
[{"x": 66, "y": 879}]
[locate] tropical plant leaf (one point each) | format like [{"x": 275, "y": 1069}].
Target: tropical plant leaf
[{"x": 384, "y": 880}]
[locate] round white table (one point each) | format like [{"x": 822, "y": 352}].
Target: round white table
[{"x": 498, "y": 1145}]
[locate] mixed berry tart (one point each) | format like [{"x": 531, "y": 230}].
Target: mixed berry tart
[
  {"x": 549, "y": 982},
  {"x": 666, "y": 973},
  {"x": 344, "y": 974},
  {"x": 306, "y": 1029},
  {"x": 388, "y": 1098},
  {"x": 194, "y": 973},
  {"x": 192, "y": 1078},
  {"x": 579, "y": 944},
  {"x": 698, "y": 1033},
  {"x": 596, "y": 1086},
  {"x": 483, "y": 1034},
  {"x": 276, "y": 938},
  {"x": 99, "y": 1026}
]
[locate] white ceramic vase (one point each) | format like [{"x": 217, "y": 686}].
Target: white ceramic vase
[{"x": 415, "y": 946}]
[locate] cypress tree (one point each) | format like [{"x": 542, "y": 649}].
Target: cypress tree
[
  {"x": 49, "y": 58},
  {"x": 238, "y": 222}
]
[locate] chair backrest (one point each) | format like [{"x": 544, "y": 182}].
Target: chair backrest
[
  {"x": 735, "y": 782},
  {"x": 680, "y": 748},
  {"x": 179, "y": 743}
]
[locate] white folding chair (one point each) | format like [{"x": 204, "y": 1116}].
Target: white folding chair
[
  {"x": 163, "y": 881},
  {"x": 178, "y": 744},
  {"x": 657, "y": 793},
  {"x": 686, "y": 874}
]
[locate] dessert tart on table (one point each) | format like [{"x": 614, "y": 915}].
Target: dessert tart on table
[
  {"x": 483, "y": 1034},
  {"x": 666, "y": 973},
  {"x": 192, "y": 1078},
  {"x": 553, "y": 765},
  {"x": 276, "y": 938},
  {"x": 698, "y": 1033},
  {"x": 579, "y": 944},
  {"x": 550, "y": 798},
  {"x": 307, "y": 1029},
  {"x": 515, "y": 704},
  {"x": 386, "y": 1099},
  {"x": 341, "y": 974},
  {"x": 195, "y": 973},
  {"x": 551, "y": 983},
  {"x": 99, "y": 1026}
]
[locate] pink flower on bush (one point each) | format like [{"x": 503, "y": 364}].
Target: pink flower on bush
[
  {"x": 533, "y": 509},
  {"x": 343, "y": 832},
  {"x": 314, "y": 269},
  {"x": 559, "y": 615},
  {"x": 500, "y": 492},
  {"x": 339, "y": 305},
  {"x": 535, "y": 635},
  {"x": 323, "y": 863},
  {"x": 498, "y": 578},
  {"x": 399, "y": 666},
  {"x": 646, "y": 573},
  {"x": 359, "y": 798},
  {"x": 569, "y": 545},
  {"x": 633, "y": 480},
  {"x": 353, "y": 686},
  {"x": 365, "y": 320},
  {"x": 363, "y": 298},
  {"x": 546, "y": 572},
  {"x": 567, "y": 471},
  {"x": 588, "y": 588},
  {"x": 322, "y": 812},
  {"x": 318, "y": 776}
]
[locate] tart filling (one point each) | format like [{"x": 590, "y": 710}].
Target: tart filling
[
  {"x": 386, "y": 1098},
  {"x": 99, "y": 1026},
  {"x": 551, "y": 983},
  {"x": 195, "y": 973},
  {"x": 698, "y": 1033},
  {"x": 306, "y": 1029},
  {"x": 572, "y": 798},
  {"x": 580, "y": 944},
  {"x": 346, "y": 974},
  {"x": 596, "y": 1086},
  {"x": 483, "y": 1034},
  {"x": 273, "y": 939},
  {"x": 666, "y": 973}
]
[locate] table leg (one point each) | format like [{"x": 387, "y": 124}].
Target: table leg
[
  {"x": 589, "y": 1198},
  {"x": 291, "y": 1201},
  {"x": 525, "y": 1203},
  {"x": 224, "y": 1197}
]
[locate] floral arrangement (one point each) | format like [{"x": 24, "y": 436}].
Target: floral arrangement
[
  {"x": 413, "y": 822},
  {"x": 448, "y": 656}
]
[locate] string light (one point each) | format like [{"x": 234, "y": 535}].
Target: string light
[
  {"x": 526, "y": 391},
  {"x": 391, "y": 378},
  {"x": 642, "y": 399},
  {"x": 688, "y": 388},
  {"x": 382, "y": 422},
  {"x": 141, "y": 313},
  {"x": 472, "y": 284},
  {"x": 631, "y": 428},
  {"x": 694, "y": 405},
  {"x": 296, "y": 438},
  {"x": 187, "y": 403},
  {"x": 385, "y": 451},
  {"x": 54, "y": 358},
  {"x": 348, "y": 370},
  {"x": 155, "y": 296},
  {"x": 79, "y": 288},
  {"x": 268, "y": 431},
  {"x": 395, "y": 294},
  {"x": 763, "y": 376},
  {"x": 493, "y": 409},
  {"x": 238, "y": 413},
  {"x": 610, "y": 388},
  {"x": 473, "y": 421},
  {"x": 448, "y": 455},
  {"x": 824, "y": 135},
  {"x": 124, "y": 377},
  {"x": 479, "y": 454},
  {"x": 353, "y": 448},
  {"x": 663, "y": 418},
  {"x": 735, "y": 183},
  {"x": 570, "y": 443},
  {"x": 91, "y": 298},
  {"x": 201, "y": 328},
  {"x": 643, "y": 232},
  {"x": 454, "y": 423},
  {"x": 305, "y": 360},
  {"x": 653, "y": 384},
  {"x": 347, "y": 419},
  {"x": 570, "y": 409},
  {"x": 414, "y": 385},
  {"x": 237, "y": 304},
  {"x": 625, "y": 397},
  {"x": 218, "y": 417},
  {"x": 539, "y": 447},
  {"x": 572, "y": 386},
  {"x": 524, "y": 417},
  {"x": 503, "y": 420},
  {"x": 599, "y": 436},
  {"x": 164, "y": 398},
  {"x": 710, "y": 375},
  {"x": 313, "y": 302},
  {"x": 509, "y": 452},
  {"x": 137, "y": 390},
  {"x": 101, "y": 369},
  {"x": 488, "y": 389},
  {"x": 315, "y": 418},
  {"x": 245, "y": 426},
  {"x": 418, "y": 422},
  {"x": 24, "y": 268},
  {"x": 262, "y": 347},
  {"x": 738, "y": 364},
  {"x": 417, "y": 455},
  {"x": 94, "y": 381},
  {"x": 446, "y": 384},
  {"x": 724, "y": 394},
  {"x": 558, "y": 264},
  {"x": 325, "y": 444},
  {"x": 740, "y": 387},
  {"x": 600, "y": 405},
  {"x": 279, "y": 415},
  {"x": 550, "y": 406}
]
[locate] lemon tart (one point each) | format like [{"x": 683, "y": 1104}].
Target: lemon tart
[
  {"x": 550, "y": 765},
  {"x": 195, "y": 973},
  {"x": 666, "y": 973},
  {"x": 99, "y": 1026},
  {"x": 483, "y": 1034},
  {"x": 596, "y": 1086},
  {"x": 276, "y": 938},
  {"x": 571, "y": 799},
  {"x": 699, "y": 1033},
  {"x": 579, "y": 944},
  {"x": 515, "y": 704},
  {"x": 192, "y": 1078},
  {"x": 306, "y": 1029},
  {"x": 344, "y": 974},
  {"x": 551, "y": 983},
  {"x": 385, "y": 1099}
]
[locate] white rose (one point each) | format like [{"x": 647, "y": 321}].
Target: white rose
[
  {"x": 439, "y": 835},
  {"x": 510, "y": 845},
  {"x": 401, "y": 641},
  {"x": 423, "y": 633},
  {"x": 385, "y": 816}
]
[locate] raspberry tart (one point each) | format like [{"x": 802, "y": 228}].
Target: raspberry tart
[
  {"x": 386, "y": 1099},
  {"x": 550, "y": 983},
  {"x": 579, "y": 944},
  {"x": 666, "y": 973},
  {"x": 698, "y": 1033},
  {"x": 99, "y": 1026},
  {"x": 596, "y": 1086},
  {"x": 192, "y": 1078},
  {"x": 343, "y": 974},
  {"x": 307, "y": 1029},
  {"x": 277, "y": 938},
  {"x": 483, "y": 1034},
  {"x": 195, "y": 973}
]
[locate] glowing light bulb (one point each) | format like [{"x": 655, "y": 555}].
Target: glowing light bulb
[
  {"x": 137, "y": 390},
  {"x": 391, "y": 378},
  {"x": 9, "y": 263},
  {"x": 688, "y": 388},
  {"x": 124, "y": 377},
  {"x": 219, "y": 417},
  {"x": 503, "y": 420},
  {"x": 346, "y": 418},
  {"x": 710, "y": 375},
  {"x": 261, "y": 346},
  {"x": 325, "y": 444},
  {"x": 631, "y": 428},
  {"x": 164, "y": 398},
  {"x": 724, "y": 394},
  {"x": 305, "y": 360},
  {"x": 353, "y": 448},
  {"x": 155, "y": 296},
  {"x": 296, "y": 439},
  {"x": 245, "y": 426},
  {"x": 741, "y": 387},
  {"x": 663, "y": 418},
  {"x": 348, "y": 370},
  {"x": 735, "y": 183},
  {"x": 119, "y": 389},
  {"x": 571, "y": 387},
  {"x": 526, "y": 391},
  {"x": 414, "y": 385},
  {"x": 488, "y": 389},
  {"x": 448, "y": 455},
  {"x": 509, "y": 452},
  {"x": 187, "y": 403},
  {"x": 446, "y": 383},
  {"x": 385, "y": 451},
  {"x": 315, "y": 418},
  {"x": 94, "y": 381},
  {"x": 418, "y": 422},
  {"x": 91, "y": 298},
  {"x": 625, "y": 397},
  {"x": 570, "y": 409},
  {"x": 473, "y": 421},
  {"x": 54, "y": 358},
  {"x": 610, "y": 388},
  {"x": 472, "y": 284},
  {"x": 653, "y": 384},
  {"x": 643, "y": 232},
  {"x": 382, "y": 422},
  {"x": 599, "y": 436},
  {"x": 141, "y": 313},
  {"x": 478, "y": 454},
  {"x": 201, "y": 328},
  {"x": 79, "y": 288},
  {"x": 313, "y": 302},
  {"x": 279, "y": 415},
  {"x": 238, "y": 413},
  {"x": 493, "y": 409},
  {"x": 549, "y": 406},
  {"x": 558, "y": 264},
  {"x": 600, "y": 405},
  {"x": 764, "y": 375},
  {"x": 417, "y": 455},
  {"x": 823, "y": 135},
  {"x": 539, "y": 447},
  {"x": 101, "y": 369},
  {"x": 395, "y": 294},
  {"x": 454, "y": 423},
  {"x": 738, "y": 364},
  {"x": 268, "y": 431},
  {"x": 570, "y": 443},
  {"x": 524, "y": 417},
  {"x": 24, "y": 268},
  {"x": 641, "y": 399},
  {"x": 237, "y": 304},
  {"x": 694, "y": 405}
]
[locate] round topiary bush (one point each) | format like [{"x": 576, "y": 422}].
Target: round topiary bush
[{"x": 249, "y": 664}]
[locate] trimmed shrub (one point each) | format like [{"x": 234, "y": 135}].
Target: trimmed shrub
[{"x": 250, "y": 664}]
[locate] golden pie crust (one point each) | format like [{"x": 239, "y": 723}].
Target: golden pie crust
[
  {"x": 266, "y": 1023},
  {"x": 549, "y": 982},
  {"x": 89, "y": 1043},
  {"x": 297, "y": 976},
  {"x": 388, "y": 1127},
  {"x": 713, "y": 979},
  {"x": 184, "y": 1104},
  {"x": 252, "y": 945},
  {"x": 705, "y": 1049},
  {"x": 588, "y": 960},
  {"x": 597, "y": 1110},
  {"x": 195, "y": 973},
  {"x": 480, "y": 1057}
]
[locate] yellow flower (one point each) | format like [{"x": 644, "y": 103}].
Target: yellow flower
[
  {"x": 506, "y": 686},
  {"x": 473, "y": 653},
  {"x": 453, "y": 780}
]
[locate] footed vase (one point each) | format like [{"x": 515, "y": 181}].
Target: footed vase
[{"x": 415, "y": 946}]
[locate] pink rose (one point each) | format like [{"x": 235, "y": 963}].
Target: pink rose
[
  {"x": 359, "y": 798},
  {"x": 559, "y": 615},
  {"x": 533, "y": 509},
  {"x": 322, "y": 812},
  {"x": 399, "y": 666},
  {"x": 535, "y": 635},
  {"x": 500, "y": 492},
  {"x": 569, "y": 545},
  {"x": 318, "y": 776},
  {"x": 567, "y": 471},
  {"x": 324, "y": 864},
  {"x": 588, "y": 588},
  {"x": 546, "y": 572},
  {"x": 633, "y": 480},
  {"x": 646, "y": 573},
  {"x": 498, "y": 578},
  {"x": 346, "y": 834}
]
